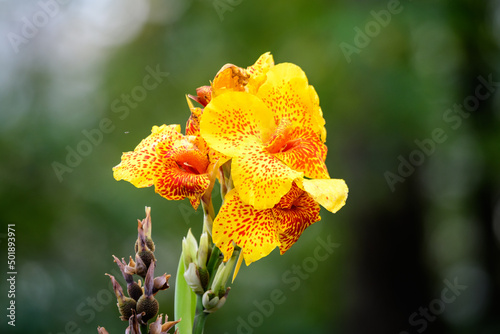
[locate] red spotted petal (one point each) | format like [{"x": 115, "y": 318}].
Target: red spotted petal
[
  {"x": 253, "y": 230},
  {"x": 293, "y": 220},
  {"x": 139, "y": 166},
  {"x": 261, "y": 179},
  {"x": 299, "y": 148}
]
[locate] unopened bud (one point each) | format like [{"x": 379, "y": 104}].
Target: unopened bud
[
  {"x": 193, "y": 279},
  {"x": 212, "y": 301},
  {"x": 189, "y": 248},
  {"x": 203, "y": 251}
]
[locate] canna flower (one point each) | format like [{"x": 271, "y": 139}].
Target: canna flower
[
  {"x": 258, "y": 232},
  {"x": 178, "y": 166},
  {"x": 274, "y": 137}
]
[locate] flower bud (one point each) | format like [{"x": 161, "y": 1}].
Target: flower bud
[
  {"x": 203, "y": 251},
  {"x": 212, "y": 301},
  {"x": 189, "y": 248},
  {"x": 193, "y": 279}
]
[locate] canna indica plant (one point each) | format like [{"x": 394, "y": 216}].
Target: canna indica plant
[{"x": 258, "y": 131}]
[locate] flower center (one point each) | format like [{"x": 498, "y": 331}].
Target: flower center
[{"x": 192, "y": 162}]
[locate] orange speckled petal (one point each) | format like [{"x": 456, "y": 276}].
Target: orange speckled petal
[
  {"x": 301, "y": 149},
  {"x": 294, "y": 220},
  {"x": 287, "y": 93},
  {"x": 234, "y": 120},
  {"x": 138, "y": 166},
  {"x": 330, "y": 193},
  {"x": 174, "y": 183},
  {"x": 261, "y": 179},
  {"x": 253, "y": 230}
]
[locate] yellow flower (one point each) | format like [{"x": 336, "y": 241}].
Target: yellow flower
[
  {"x": 258, "y": 232},
  {"x": 177, "y": 165},
  {"x": 274, "y": 136}
]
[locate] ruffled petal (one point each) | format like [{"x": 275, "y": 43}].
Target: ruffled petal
[
  {"x": 261, "y": 179},
  {"x": 174, "y": 183},
  {"x": 293, "y": 220},
  {"x": 330, "y": 193},
  {"x": 184, "y": 172},
  {"x": 287, "y": 93},
  {"x": 139, "y": 166},
  {"x": 254, "y": 231},
  {"x": 234, "y": 120},
  {"x": 257, "y": 72},
  {"x": 299, "y": 148}
]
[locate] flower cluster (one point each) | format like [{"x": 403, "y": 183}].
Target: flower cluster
[{"x": 260, "y": 131}]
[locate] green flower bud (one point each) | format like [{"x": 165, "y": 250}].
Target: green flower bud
[
  {"x": 193, "y": 279},
  {"x": 189, "y": 248}
]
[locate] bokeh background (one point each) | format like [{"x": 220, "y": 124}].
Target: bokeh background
[{"x": 409, "y": 91}]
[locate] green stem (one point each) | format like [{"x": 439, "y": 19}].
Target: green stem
[{"x": 200, "y": 318}]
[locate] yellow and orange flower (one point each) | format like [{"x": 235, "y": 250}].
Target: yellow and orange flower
[
  {"x": 178, "y": 166},
  {"x": 274, "y": 136}
]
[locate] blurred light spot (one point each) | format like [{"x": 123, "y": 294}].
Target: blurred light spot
[
  {"x": 471, "y": 303},
  {"x": 167, "y": 11},
  {"x": 454, "y": 240},
  {"x": 453, "y": 170}
]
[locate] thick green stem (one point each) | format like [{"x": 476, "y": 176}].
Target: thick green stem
[{"x": 200, "y": 317}]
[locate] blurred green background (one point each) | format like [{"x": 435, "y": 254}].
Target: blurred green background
[{"x": 409, "y": 92}]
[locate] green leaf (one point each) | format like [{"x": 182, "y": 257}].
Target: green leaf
[{"x": 185, "y": 301}]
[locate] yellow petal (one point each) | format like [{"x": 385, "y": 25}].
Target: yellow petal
[
  {"x": 138, "y": 166},
  {"x": 233, "y": 120},
  {"x": 287, "y": 93},
  {"x": 261, "y": 179},
  {"x": 258, "y": 71},
  {"x": 330, "y": 193},
  {"x": 254, "y": 231}
]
